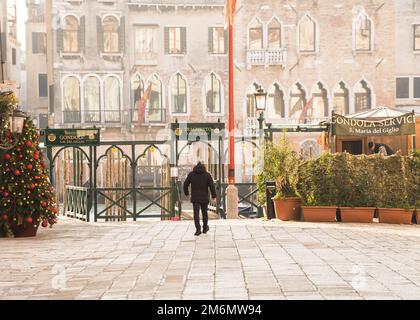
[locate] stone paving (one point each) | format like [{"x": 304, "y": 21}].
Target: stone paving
[{"x": 237, "y": 259}]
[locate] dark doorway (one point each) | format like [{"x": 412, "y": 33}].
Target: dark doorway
[{"x": 353, "y": 147}]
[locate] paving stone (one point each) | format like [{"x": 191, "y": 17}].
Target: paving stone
[{"x": 238, "y": 259}]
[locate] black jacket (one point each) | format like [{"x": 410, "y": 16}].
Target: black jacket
[{"x": 200, "y": 181}]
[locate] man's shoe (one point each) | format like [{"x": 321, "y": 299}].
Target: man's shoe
[
  {"x": 206, "y": 229},
  {"x": 197, "y": 233}
]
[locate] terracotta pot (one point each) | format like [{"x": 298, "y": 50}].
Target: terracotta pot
[
  {"x": 395, "y": 215},
  {"x": 363, "y": 215},
  {"x": 25, "y": 230},
  {"x": 287, "y": 209},
  {"x": 319, "y": 214},
  {"x": 417, "y": 213}
]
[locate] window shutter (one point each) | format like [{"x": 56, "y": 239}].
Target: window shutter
[
  {"x": 184, "y": 40},
  {"x": 121, "y": 35},
  {"x": 166, "y": 39},
  {"x": 226, "y": 41},
  {"x": 82, "y": 34},
  {"x": 42, "y": 85},
  {"x": 210, "y": 40},
  {"x": 3, "y": 46},
  {"x": 59, "y": 39},
  {"x": 35, "y": 42},
  {"x": 99, "y": 34}
]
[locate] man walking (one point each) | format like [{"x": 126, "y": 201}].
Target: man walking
[{"x": 201, "y": 181}]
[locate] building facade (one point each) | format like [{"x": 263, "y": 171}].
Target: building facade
[
  {"x": 312, "y": 57},
  {"x": 111, "y": 54},
  {"x": 36, "y": 62},
  {"x": 11, "y": 53}
]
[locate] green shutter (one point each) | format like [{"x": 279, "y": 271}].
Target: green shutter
[
  {"x": 35, "y": 48},
  {"x": 43, "y": 85},
  {"x": 121, "y": 36},
  {"x": 3, "y": 47},
  {"x": 166, "y": 40},
  {"x": 82, "y": 34},
  {"x": 184, "y": 40},
  {"x": 99, "y": 34},
  {"x": 210, "y": 40}
]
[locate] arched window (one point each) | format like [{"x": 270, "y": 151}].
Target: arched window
[
  {"x": 275, "y": 105},
  {"x": 155, "y": 101},
  {"x": 319, "y": 103},
  {"x": 362, "y": 96},
  {"x": 213, "y": 90},
  {"x": 111, "y": 34},
  {"x": 274, "y": 34},
  {"x": 307, "y": 34},
  {"x": 341, "y": 99},
  {"x": 92, "y": 97},
  {"x": 112, "y": 99},
  {"x": 71, "y": 99},
  {"x": 71, "y": 34},
  {"x": 310, "y": 149},
  {"x": 178, "y": 94},
  {"x": 255, "y": 35},
  {"x": 251, "y": 110},
  {"x": 137, "y": 92},
  {"x": 297, "y": 101},
  {"x": 363, "y": 34}
]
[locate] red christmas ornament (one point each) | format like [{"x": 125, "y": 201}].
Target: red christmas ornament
[
  {"x": 29, "y": 167},
  {"x": 44, "y": 223},
  {"x": 5, "y": 217},
  {"x": 7, "y": 169},
  {"x": 55, "y": 210},
  {"x": 19, "y": 149},
  {"x": 7, "y": 156},
  {"x": 16, "y": 173},
  {"x": 43, "y": 204},
  {"x": 32, "y": 186},
  {"x": 36, "y": 178},
  {"x": 7, "y": 134},
  {"x": 20, "y": 156},
  {"x": 5, "y": 194},
  {"x": 28, "y": 144},
  {"x": 28, "y": 220},
  {"x": 44, "y": 165},
  {"x": 36, "y": 156}
]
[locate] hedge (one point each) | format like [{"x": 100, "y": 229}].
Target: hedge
[{"x": 360, "y": 181}]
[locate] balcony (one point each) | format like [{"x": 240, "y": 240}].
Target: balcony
[
  {"x": 183, "y": 3},
  {"x": 268, "y": 57},
  {"x": 152, "y": 116}
]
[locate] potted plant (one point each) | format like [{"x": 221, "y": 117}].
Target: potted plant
[
  {"x": 412, "y": 171},
  {"x": 393, "y": 202},
  {"x": 287, "y": 203},
  {"x": 316, "y": 189},
  {"x": 357, "y": 201},
  {"x": 26, "y": 194}
]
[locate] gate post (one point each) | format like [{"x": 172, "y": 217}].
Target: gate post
[
  {"x": 95, "y": 191},
  {"x": 133, "y": 181}
]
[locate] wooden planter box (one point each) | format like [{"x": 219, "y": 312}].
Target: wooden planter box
[
  {"x": 287, "y": 209},
  {"x": 395, "y": 215},
  {"x": 319, "y": 214},
  {"x": 362, "y": 215}
]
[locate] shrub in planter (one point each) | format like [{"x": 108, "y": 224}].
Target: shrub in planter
[
  {"x": 393, "y": 202},
  {"x": 413, "y": 183},
  {"x": 281, "y": 164},
  {"x": 316, "y": 188},
  {"x": 357, "y": 200}
]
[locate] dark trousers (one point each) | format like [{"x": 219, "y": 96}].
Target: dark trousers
[{"x": 204, "y": 207}]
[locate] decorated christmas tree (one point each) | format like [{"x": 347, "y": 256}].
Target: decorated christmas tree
[{"x": 26, "y": 194}]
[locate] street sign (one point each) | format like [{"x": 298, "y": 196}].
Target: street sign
[{"x": 72, "y": 137}]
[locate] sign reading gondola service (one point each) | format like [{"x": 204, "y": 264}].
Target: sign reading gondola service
[
  {"x": 72, "y": 137},
  {"x": 402, "y": 125}
]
